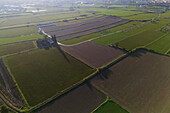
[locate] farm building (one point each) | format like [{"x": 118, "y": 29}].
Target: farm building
[
  {"x": 46, "y": 24},
  {"x": 40, "y": 32}
]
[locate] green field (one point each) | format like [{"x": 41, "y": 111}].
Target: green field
[
  {"x": 33, "y": 19},
  {"x": 162, "y": 45},
  {"x": 80, "y": 39},
  {"x": 102, "y": 33},
  {"x": 114, "y": 12},
  {"x": 15, "y": 32},
  {"x": 112, "y": 39},
  {"x": 140, "y": 39},
  {"x": 145, "y": 16},
  {"x": 15, "y": 48},
  {"x": 110, "y": 107},
  {"x": 19, "y": 39},
  {"x": 41, "y": 74}
]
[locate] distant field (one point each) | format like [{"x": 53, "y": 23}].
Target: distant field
[
  {"x": 32, "y": 19},
  {"x": 16, "y": 32},
  {"x": 41, "y": 74},
  {"x": 80, "y": 39},
  {"x": 79, "y": 100},
  {"x": 139, "y": 83},
  {"x": 15, "y": 48},
  {"x": 110, "y": 107},
  {"x": 145, "y": 16},
  {"x": 104, "y": 32},
  {"x": 117, "y": 37},
  {"x": 19, "y": 39},
  {"x": 114, "y": 12},
  {"x": 92, "y": 54},
  {"x": 140, "y": 39},
  {"x": 162, "y": 45}
]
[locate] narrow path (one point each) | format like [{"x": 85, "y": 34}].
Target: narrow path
[
  {"x": 4, "y": 102},
  {"x": 126, "y": 29},
  {"x": 20, "y": 52}
]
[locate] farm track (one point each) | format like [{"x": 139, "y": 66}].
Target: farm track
[
  {"x": 10, "y": 90},
  {"x": 25, "y": 51},
  {"x": 60, "y": 43},
  {"x": 124, "y": 30},
  {"x": 33, "y": 24}
]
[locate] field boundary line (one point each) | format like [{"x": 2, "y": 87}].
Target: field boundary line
[
  {"x": 7, "y": 103},
  {"x": 150, "y": 43},
  {"x": 16, "y": 83},
  {"x": 67, "y": 90},
  {"x": 107, "y": 99},
  {"x": 167, "y": 51},
  {"x": 24, "y": 51},
  {"x": 119, "y": 31}
]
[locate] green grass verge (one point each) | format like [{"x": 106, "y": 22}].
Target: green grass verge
[
  {"x": 15, "y": 32},
  {"x": 15, "y": 48},
  {"x": 80, "y": 39},
  {"x": 114, "y": 12},
  {"x": 104, "y": 32},
  {"x": 41, "y": 74},
  {"x": 110, "y": 107},
  {"x": 162, "y": 45},
  {"x": 145, "y": 16},
  {"x": 112, "y": 39},
  {"x": 19, "y": 39},
  {"x": 140, "y": 39}
]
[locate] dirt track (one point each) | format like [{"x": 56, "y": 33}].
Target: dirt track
[
  {"x": 10, "y": 90},
  {"x": 93, "y": 54}
]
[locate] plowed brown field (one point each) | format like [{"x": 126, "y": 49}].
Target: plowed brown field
[
  {"x": 140, "y": 83},
  {"x": 83, "y": 28},
  {"x": 92, "y": 54},
  {"x": 83, "y": 99}
]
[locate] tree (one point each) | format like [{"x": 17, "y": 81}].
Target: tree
[
  {"x": 117, "y": 44},
  {"x": 54, "y": 39},
  {"x": 4, "y": 109}
]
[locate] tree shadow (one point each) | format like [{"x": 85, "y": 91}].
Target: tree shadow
[
  {"x": 104, "y": 74},
  {"x": 61, "y": 51},
  {"x": 138, "y": 54},
  {"x": 89, "y": 85}
]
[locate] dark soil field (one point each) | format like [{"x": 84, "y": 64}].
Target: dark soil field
[
  {"x": 139, "y": 83},
  {"x": 83, "y": 28},
  {"x": 83, "y": 99},
  {"x": 41, "y": 74},
  {"x": 92, "y": 54}
]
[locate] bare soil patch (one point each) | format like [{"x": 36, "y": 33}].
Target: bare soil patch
[
  {"x": 92, "y": 54},
  {"x": 64, "y": 32},
  {"x": 83, "y": 99},
  {"x": 140, "y": 83}
]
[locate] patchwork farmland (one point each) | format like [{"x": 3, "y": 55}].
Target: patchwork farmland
[
  {"x": 85, "y": 98},
  {"x": 84, "y": 58},
  {"x": 30, "y": 70},
  {"x": 139, "y": 83},
  {"x": 83, "y": 28},
  {"x": 16, "y": 48},
  {"x": 93, "y": 54}
]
